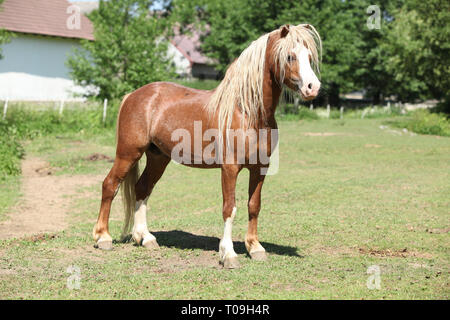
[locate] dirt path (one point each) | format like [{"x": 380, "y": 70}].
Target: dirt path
[{"x": 45, "y": 200}]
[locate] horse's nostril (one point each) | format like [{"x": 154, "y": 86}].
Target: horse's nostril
[{"x": 310, "y": 86}]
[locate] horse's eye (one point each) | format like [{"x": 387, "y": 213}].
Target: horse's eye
[{"x": 291, "y": 58}]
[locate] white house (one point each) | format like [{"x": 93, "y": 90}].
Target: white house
[
  {"x": 184, "y": 50},
  {"x": 46, "y": 31},
  {"x": 197, "y": 64}
]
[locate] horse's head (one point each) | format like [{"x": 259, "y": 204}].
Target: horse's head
[
  {"x": 290, "y": 54},
  {"x": 294, "y": 52}
]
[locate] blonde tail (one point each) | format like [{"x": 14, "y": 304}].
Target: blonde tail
[
  {"x": 129, "y": 198},
  {"x": 127, "y": 186}
]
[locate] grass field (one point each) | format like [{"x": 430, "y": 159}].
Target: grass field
[{"x": 348, "y": 195}]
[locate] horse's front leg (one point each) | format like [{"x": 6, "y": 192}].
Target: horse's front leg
[
  {"x": 227, "y": 255},
  {"x": 254, "y": 248}
]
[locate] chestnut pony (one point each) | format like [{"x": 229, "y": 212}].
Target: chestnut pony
[{"x": 246, "y": 99}]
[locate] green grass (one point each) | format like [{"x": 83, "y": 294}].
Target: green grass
[
  {"x": 343, "y": 201},
  {"x": 9, "y": 193}
]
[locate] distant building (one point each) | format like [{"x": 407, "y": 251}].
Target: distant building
[
  {"x": 46, "y": 31},
  {"x": 184, "y": 49},
  {"x": 195, "y": 63}
]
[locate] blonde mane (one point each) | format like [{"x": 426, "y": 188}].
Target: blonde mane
[{"x": 242, "y": 85}]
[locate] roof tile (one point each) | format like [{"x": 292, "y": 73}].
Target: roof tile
[{"x": 46, "y": 17}]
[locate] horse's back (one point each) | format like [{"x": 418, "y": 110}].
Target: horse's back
[
  {"x": 155, "y": 111},
  {"x": 169, "y": 90}
]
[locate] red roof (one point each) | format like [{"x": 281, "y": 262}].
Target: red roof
[
  {"x": 189, "y": 45},
  {"x": 46, "y": 17}
]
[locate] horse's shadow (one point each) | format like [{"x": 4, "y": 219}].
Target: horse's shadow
[{"x": 185, "y": 240}]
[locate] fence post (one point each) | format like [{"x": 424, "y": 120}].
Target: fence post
[
  {"x": 328, "y": 111},
  {"x": 105, "y": 105},
  {"x": 61, "y": 107},
  {"x": 364, "y": 113},
  {"x": 342, "y": 113},
  {"x": 311, "y": 107},
  {"x": 5, "y": 108}
]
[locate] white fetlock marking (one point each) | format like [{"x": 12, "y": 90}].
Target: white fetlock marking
[
  {"x": 140, "y": 229},
  {"x": 105, "y": 237},
  {"x": 148, "y": 238},
  {"x": 226, "y": 249},
  {"x": 100, "y": 238}
]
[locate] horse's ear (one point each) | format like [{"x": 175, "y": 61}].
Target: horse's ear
[
  {"x": 307, "y": 26},
  {"x": 284, "y": 30}
]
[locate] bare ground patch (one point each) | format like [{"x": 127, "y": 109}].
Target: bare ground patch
[
  {"x": 98, "y": 157},
  {"x": 45, "y": 200},
  {"x": 403, "y": 253},
  {"x": 382, "y": 253},
  {"x": 334, "y": 251},
  {"x": 163, "y": 260},
  {"x": 177, "y": 263},
  {"x": 438, "y": 230}
]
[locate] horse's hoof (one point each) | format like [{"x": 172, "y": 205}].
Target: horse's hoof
[
  {"x": 258, "y": 256},
  {"x": 150, "y": 244},
  {"x": 231, "y": 263},
  {"x": 104, "y": 245}
]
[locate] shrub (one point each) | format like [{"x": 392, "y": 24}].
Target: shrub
[
  {"x": 424, "y": 122},
  {"x": 11, "y": 151},
  {"x": 23, "y": 122},
  {"x": 302, "y": 114},
  {"x": 306, "y": 114},
  {"x": 374, "y": 112}
]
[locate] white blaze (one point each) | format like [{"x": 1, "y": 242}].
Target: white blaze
[{"x": 306, "y": 72}]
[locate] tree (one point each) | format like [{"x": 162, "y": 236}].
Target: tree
[
  {"x": 4, "y": 35},
  {"x": 129, "y": 51},
  {"x": 370, "y": 71},
  {"x": 231, "y": 25},
  {"x": 234, "y": 24},
  {"x": 406, "y": 56},
  {"x": 352, "y": 55},
  {"x": 419, "y": 51}
]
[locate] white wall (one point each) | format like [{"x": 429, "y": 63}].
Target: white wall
[
  {"x": 182, "y": 64},
  {"x": 33, "y": 68}
]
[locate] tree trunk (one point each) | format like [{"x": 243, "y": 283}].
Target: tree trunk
[{"x": 333, "y": 95}]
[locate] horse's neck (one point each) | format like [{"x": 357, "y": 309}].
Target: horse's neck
[{"x": 271, "y": 92}]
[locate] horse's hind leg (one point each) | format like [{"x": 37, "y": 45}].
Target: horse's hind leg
[
  {"x": 154, "y": 169},
  {"x": 110, "y": 186}
]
